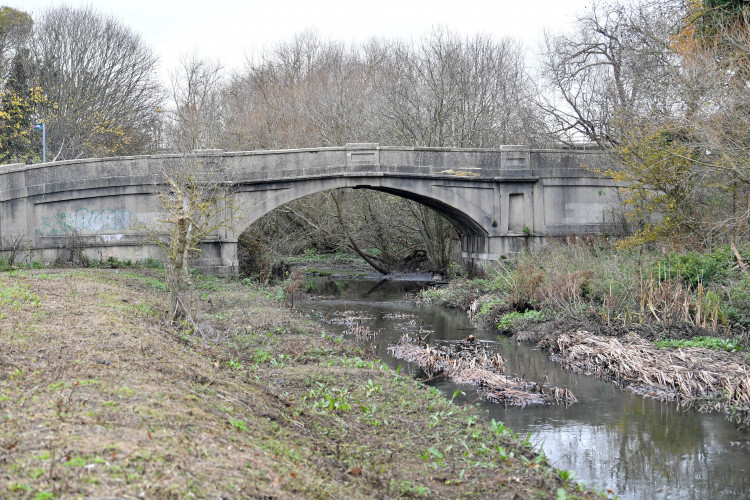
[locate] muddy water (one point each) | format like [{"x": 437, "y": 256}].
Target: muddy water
[{"x": 638, "y": 447}]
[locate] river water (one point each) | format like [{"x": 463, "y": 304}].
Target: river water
[{"x": 611, "y": 438}]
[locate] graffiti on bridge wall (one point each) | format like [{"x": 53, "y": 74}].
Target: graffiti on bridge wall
[{"x": 84, "y": 220}]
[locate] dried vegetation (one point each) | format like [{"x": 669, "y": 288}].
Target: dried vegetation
[
  {"x": 469, "y": 362},
  {"x": 707, "y": 379}
]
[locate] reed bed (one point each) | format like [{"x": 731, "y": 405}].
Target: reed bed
[
  {"x": 469, "y": 361},
  {"x": 711, "y": 379}
]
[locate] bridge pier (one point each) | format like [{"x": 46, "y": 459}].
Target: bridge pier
[
  {"x": 217, "y": 257},
  {"x": 481, "y": 250}
]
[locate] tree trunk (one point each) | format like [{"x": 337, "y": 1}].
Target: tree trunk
[{"x": 353, "y": 244}]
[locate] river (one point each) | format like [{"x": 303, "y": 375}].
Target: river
[{"x": 610, "y": 439}]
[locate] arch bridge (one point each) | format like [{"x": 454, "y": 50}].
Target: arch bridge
[{"x": 500, "y": 200}]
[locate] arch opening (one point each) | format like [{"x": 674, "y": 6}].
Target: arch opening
[
  {"x": 401, "y": 230},
  {"x": 460, "y": 220}
]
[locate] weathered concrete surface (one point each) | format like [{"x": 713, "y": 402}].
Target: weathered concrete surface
[{"x": 500, "y": 200}]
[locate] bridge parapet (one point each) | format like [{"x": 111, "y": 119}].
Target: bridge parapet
[{"x": 507, "y": 162}]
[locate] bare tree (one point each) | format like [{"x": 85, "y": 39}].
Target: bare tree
[
  {"x": 101, "y": 83},
  {"x": 195, "y": 202},
  {"x": 462, "y": 92},
  {"x": 615, "y": 66},
  {"x": 301, "y": 93},
  {"x": 196, "y": 116}
]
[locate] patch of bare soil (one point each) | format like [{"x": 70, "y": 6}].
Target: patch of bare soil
[{"x": 100, "y": 399}]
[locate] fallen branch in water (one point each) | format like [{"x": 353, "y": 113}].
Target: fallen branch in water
[{"x": 468, "y": 362}]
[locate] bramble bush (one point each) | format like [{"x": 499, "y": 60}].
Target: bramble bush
[{"x": 694, "y": 267}]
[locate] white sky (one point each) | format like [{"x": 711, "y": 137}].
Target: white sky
[{"x": 229, "y": 29}]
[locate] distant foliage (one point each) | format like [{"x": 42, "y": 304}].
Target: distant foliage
[{"x": 737, "y": 306}]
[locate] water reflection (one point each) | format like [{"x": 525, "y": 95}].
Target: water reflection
[{"x": 639, "y": 447}]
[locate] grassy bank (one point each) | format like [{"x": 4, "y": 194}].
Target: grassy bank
[
  {"x": 98, "y": 398},
  {"x": 671, "y": 326}
]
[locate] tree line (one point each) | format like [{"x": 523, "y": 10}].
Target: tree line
[{"x": 660, "y": 85}]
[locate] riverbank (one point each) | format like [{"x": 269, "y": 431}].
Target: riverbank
[
  {"x": 99, "y": 398},
  {"x": 644, "y": 322},
  {"x": 707, "y": 380}
]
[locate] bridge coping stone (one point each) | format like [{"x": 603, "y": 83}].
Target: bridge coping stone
[{"x": 14, "y": 167}]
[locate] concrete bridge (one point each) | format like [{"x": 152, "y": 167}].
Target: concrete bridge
[{"x": 500, "y": 200}]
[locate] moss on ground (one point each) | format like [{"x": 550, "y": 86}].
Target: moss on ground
[{"x": 99, "y": 398}]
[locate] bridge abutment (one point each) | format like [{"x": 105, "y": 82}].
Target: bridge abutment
[{"x": 217, "y": 257}]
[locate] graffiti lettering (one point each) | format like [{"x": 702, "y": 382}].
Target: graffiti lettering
[
  {"x": 85, "y": 220},
  {"x": 101, "y": 220}
]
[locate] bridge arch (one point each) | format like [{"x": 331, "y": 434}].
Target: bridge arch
[
  {"x": 463, "y": 213},
  {"x": 467, "y": 217}
]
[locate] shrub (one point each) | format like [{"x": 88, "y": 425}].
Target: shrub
[
  {"x": 737, "y": 305},
  {"x": 517, "y": 320},
  {"x": 694, "y": 267},
  {"x": 526, "y": 282}
]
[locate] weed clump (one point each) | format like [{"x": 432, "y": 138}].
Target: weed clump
[{"x": 517, "y": 320}]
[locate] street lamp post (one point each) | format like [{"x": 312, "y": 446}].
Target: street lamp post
[{"x": 43, "y": 126}]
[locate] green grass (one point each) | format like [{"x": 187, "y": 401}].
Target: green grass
[
  {"x": 729, "y": 345},
  {"x": 18, "y": 295},
  {"x": 273, "y": 406},
  {"x": 516, "y": 320},
  {"x": 240, "y": 425}
]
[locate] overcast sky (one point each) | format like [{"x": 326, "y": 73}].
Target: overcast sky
[{"x": 230, "y": 29}]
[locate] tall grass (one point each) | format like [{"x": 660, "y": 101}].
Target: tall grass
[{"x": 620, "y": 287}]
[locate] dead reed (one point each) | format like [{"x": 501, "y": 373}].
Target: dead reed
[
  {"x": 468, "y": 361},
  {"x": 710, "y": 379}
]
